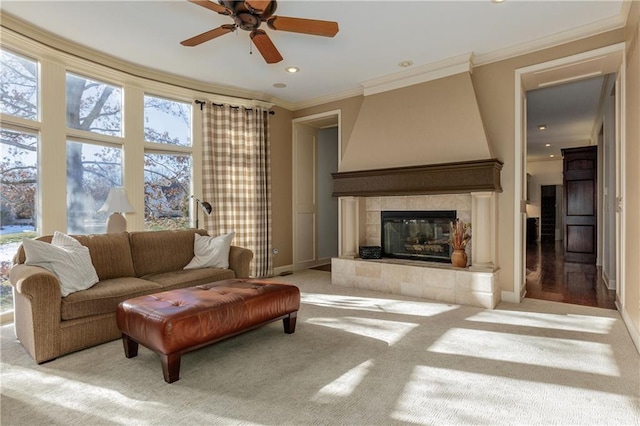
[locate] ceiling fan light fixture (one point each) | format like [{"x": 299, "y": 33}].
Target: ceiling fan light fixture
[{"x": 292, "y": 70}]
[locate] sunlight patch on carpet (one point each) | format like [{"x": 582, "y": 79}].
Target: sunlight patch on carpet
[
  {"x": 344, "y": 385},
  {"x": 462, "y": 397},
  {"x": 566, "y": 354},
  {"x": 569, "y": 322},
  {"x": 387, "y": 331},
  {"x": 422, "y": 309}
]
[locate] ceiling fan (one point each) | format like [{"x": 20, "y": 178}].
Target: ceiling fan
[{"x": 249, "y": 15}]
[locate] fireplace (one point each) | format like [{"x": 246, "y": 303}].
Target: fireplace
[{"x": 417, "y": 235}]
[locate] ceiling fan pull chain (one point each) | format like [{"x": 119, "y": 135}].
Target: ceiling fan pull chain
[{"x": 250, "y": 47}]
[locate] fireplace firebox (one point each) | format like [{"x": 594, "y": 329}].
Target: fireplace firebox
[{"x": 417, "y": 235}]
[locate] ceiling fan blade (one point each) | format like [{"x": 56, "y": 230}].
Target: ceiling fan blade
[
  {"x": 216, "y": 7},
  {"x": 266, "y": 47},
  {"x": 257, "y": 6},
  {"x": 304, "y": 26},
  {"x": 208, "y": 35}
]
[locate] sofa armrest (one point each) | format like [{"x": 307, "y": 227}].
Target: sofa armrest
[
  {"x": 239, "y": 261},
  {"x": 37, "y": 303}
]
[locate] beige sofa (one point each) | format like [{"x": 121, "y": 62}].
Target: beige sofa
[{"x": 128, "y": 265}]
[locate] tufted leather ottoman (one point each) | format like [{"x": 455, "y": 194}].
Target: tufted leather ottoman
[{"x": 174, "y": 322}]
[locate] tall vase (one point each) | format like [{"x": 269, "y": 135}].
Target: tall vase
[{"x": 459, "y": 258}]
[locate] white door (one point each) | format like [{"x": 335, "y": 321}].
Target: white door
[{"x": 305, "y": 204}]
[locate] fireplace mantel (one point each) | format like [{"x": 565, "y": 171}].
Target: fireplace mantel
[{"x": 447, "y": 178}]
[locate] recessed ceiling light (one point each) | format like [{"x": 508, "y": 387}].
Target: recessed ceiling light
[
  {"x": 292, "y": 70},
  {"x": 551, "y": 155},
  {"x": 497, "y": 1},
  {"x": 279, "y": 85},
  {"x": 405, "y": 64},
  {"x": 542, "y": 127},
  {"x": 547, "y": 144}
]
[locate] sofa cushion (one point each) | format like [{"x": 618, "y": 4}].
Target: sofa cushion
[
  {"x": 110, "y": 253},
  {"x": 154, "y": 252},
  {"x": 189, "y": 277},
  {"x": 105, "y": 296},
  {"x": 211, "y": 252},
  {"x": 66, "y": 258}
]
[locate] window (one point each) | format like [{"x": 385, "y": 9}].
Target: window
[
  {"x": 168, "y": 164},
  {"x": 167, "y": 187},
  {"x": 19, "y": 94},
  {"x": 56, "y": 175},
  {"x": 167, "y": 121},
  {"x": 19, "y": 176},
  {"x": 19, "y": 86},
  {"x": 93, "y": 106},
  {"x": 91, "y": 171}
]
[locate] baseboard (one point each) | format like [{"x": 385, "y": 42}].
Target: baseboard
[
  {"x": 280, "y": 269},
  {"x": 631, "y": 328},
  {"x": 611, "y": 284},
  {"x": 510, "y": 296}
]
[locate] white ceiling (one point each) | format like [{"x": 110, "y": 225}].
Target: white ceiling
[
  {"x": 374, "y": 37},
  {"x": 569, "y": 112}
]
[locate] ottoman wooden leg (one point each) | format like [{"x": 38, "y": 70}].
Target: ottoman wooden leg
[
  {"x": 170, "y": 367},
  {"x": 290, "y": 323},
  {"x": 130, "y": 346}
]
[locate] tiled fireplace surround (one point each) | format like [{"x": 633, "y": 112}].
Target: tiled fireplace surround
[{"x": 476, "y": 285}]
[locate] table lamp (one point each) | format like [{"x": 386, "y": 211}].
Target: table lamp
[{"x": 117, "y": 203}]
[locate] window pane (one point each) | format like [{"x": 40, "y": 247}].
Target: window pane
[
  {"x": 167, "y": 121},
  {"x": 167, "y": 185},
  {"x": 19, "y": 175},
  {"x": 91, "y": 171},
  {"x": 94, "y": 106},
  {"x": 18, "y": 85}
]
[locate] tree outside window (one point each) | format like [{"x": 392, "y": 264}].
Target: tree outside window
[{"x": 18, "y": 162}]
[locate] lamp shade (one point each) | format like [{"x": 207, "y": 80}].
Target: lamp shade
[{"x": 117, "y": 202}]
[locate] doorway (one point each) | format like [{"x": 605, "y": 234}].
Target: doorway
[
  {"x": 570, "y": 280},
  {"x": 316, "y": 154}
]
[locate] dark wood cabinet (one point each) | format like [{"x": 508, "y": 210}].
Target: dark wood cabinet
[
  {"x": 580, "y": 203},
  {"x": 548, "y": 213}
]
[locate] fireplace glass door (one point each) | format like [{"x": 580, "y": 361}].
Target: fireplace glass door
[{"x": 417, "y": 235}]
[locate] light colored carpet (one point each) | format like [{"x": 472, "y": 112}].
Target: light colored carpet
[{"x": 357, "y": 358}]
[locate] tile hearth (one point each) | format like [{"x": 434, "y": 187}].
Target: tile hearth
[{"x": 427, "y": 280}]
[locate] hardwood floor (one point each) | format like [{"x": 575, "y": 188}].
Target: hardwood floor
[{"x": 550, "y": 278}]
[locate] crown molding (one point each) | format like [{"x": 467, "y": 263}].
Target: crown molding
[
  {"x": 321, "y": 100},
  {"x": 568, "y": 36},
  {"x": 422, "y": 74}
]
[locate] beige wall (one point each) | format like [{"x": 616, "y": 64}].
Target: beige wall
[
  {"x": 544, "y": 172},
  {"x": 428, "y": 123},
  {"x": 281, "y": 194},
  {"x": 632, "y": 155}
]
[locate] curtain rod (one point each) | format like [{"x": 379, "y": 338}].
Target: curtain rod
[{"x": 202, "y": 103}]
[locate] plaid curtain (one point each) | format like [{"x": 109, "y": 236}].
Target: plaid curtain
[{"x": 236, "y": 174}]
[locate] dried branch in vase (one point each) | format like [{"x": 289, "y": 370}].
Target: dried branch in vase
[{"x": 459, "y": 234}]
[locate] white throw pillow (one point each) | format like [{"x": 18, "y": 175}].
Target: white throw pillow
[
  {"x": 69, "y": 260},
  {"x": 211, "y": 252}
]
